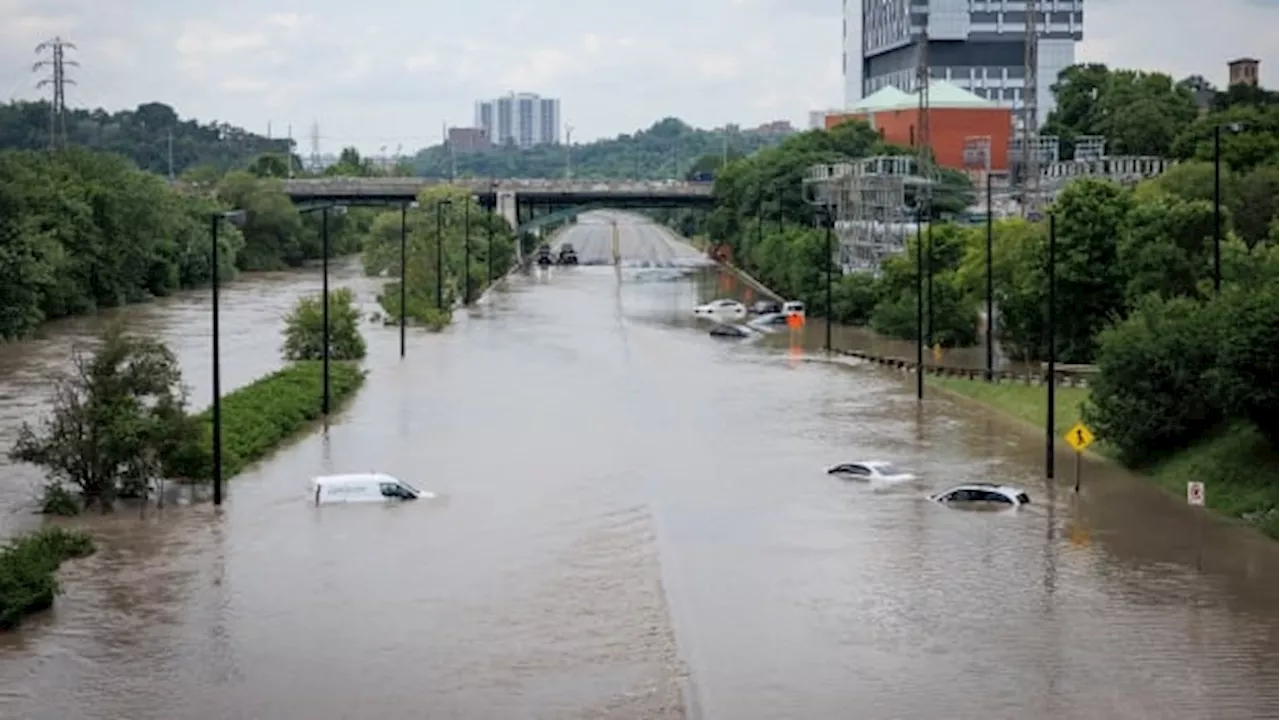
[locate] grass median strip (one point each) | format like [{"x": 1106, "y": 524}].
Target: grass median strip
[{"x": 263, "y": 415}]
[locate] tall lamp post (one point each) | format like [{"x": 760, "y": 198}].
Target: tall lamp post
[
  {"x": 827, "y": 221},
  {"x": 990, "y": 299},
  {"x": 325, "y": 211},
  {"x": 919, "y": 305},
  {"x": 1050, "y": 380},
  {"x": 404, "y": 269},
  {"x": 236, "y": 218},
  {"x": 466, "y": 262},
  {"x": 440, "y": 251}
]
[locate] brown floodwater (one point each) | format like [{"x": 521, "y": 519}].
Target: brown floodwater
[{"x": 633, "y": 521}]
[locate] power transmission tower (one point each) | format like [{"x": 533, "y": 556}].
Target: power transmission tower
[
  {"x": 1030, "y": 123},
  {"x": 58, "y": 80},
  {"x": 568, "y": 151},
  {"x": 315, "y": 146},
  {"x": 924, "y": 150}
]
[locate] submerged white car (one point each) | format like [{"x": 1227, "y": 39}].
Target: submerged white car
[
  {"x": 980, "y": 493},
  {"x": 722, "y": 309},
  {"x": 871, "y": 470},
  {"x": 363, "y": 487}
]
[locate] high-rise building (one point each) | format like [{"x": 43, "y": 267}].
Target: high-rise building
[
  {"x": 520, "y": 119},
  {"x": 979, "y": 45}
]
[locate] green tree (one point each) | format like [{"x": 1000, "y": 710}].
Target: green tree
[
  {"x": 272, "y": 229},
  {"x": 1243, "y": 330},
  {"x": 1164, "y": 247},
  {"x": 382, "y": 253},
  {"x": 1151, "y": 393},
  {"x": 114, "y": 419},
  {"x": 1139, "y": 113},
  {"x": 304, "y": 328}
]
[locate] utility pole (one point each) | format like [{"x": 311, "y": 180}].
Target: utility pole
[
  {"x": 58, "y": 80},
  {"x": 1030, "y": 124},
  {"x": 315, "y": 146},
  {"x": 568, "y": 151}
]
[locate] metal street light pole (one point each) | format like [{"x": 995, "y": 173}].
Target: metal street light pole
[
  {"x": 235, "y": 217},
  {"x": 830, "y": 309},
  {"x": 1217, "y": 208},
  {"x": 919, "y": 307},
  {"x": 467, "y": 251},
  {"x": 1051, "y": 375},
  {"x": 489, "y": 230},
  {"x": 324, "y": 242},
  {"x": 440, "y": 253},
  {"x": 990, "y": 294},
  {"x": 404, "y": 279}
]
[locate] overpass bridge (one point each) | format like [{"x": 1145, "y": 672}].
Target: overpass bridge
[{"x": 514, "y": 199}]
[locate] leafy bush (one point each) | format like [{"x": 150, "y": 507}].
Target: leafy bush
[
  {"x": 420, "y": 308},
  {"x": 260, "y": 416},
  {"x": 1151, "y": 393},
  {"x": 116, "y": 415},
  {"x": 27, "y": 570},
  {"x": 304, "y": 328},
  {"x": 1245, "y": 338}
]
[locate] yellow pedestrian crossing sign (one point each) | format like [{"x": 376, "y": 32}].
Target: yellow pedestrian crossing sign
[{"x": 1079, "y": 437}]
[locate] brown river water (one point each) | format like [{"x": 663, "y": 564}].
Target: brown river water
[{"x": 633, "y": 521}]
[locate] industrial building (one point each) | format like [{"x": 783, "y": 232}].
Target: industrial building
[
  {"x": 958, "y": 121},
  {"x": 977, "y": 45},
  {"x": 520, "y": 119}
]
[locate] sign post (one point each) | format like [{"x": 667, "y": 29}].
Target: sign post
[{"x": 1079, "y": 437}]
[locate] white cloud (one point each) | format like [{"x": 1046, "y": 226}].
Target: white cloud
[{"x": 382, "y": 72}]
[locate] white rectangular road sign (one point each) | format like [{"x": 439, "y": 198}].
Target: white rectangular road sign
[{"x": 1195, "y": 493}]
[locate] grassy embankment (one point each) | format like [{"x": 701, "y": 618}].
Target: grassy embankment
[
  {"x": 260, "y": 417},
  {"x": 1236, "y": 464},
  {"x": 28, "y": 570}
]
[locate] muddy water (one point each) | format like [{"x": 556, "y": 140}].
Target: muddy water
[{"x": 634, "y": 522}]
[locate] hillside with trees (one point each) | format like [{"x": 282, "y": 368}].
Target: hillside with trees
[
  {"x": 667, "y": 149},
  {"x": 142, "y": 135}
]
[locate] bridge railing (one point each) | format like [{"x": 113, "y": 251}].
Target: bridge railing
[{"x": 385, "y": 186}]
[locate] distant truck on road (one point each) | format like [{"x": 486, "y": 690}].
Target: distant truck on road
[{"x": 567, "y": 255}]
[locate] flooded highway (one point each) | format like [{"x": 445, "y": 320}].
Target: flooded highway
[{"x": 633, "y": 521}]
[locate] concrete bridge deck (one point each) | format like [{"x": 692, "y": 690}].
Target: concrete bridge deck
[{"x": 656, "y": 192}]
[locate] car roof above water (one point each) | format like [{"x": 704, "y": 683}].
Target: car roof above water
[{"x": 353, "y": 479}]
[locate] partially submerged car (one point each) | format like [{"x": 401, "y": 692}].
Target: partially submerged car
[
  {"x": 542, "y": 256},
  {"x": 871, "y": 470},
  {"x": 722, "y": 308},
  {"x": 726, "y": 330},
  {"x": 765, "y": 307},
  {"x": 363, "y": 487},
  {"x": 983, "y": 494}
]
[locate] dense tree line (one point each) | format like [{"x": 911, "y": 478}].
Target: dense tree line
[
  {"x": 460, "y": 216},
  {"x": 81, "y": 230},
  {"x": 143, "y": 135},
  {"x": 668, "y": 149},
  {"x": 1141, "y": 113}
]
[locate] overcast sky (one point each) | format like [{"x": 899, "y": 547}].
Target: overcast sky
[{"x": 378, "y": 73}]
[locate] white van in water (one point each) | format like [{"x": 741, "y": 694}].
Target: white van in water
[
  {"x": 793, "y": 307},
  {"x": 363, "y": 487}
]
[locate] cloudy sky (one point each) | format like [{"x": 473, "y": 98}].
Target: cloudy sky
[{"x": 377, "y": 73}]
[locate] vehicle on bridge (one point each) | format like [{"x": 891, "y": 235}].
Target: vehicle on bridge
[
  {"x": 567, "y": 255},
  {"x": 722, "y": 308},
  {"x": 363, "y": 487},
  {"x": 543, "y": 256},
  {"x": 871, "y": 471},
  {"x": 982, "y": 494}
]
